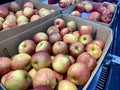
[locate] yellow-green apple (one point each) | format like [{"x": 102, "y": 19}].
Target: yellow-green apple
[
  {"x": 87, "y": 59},
  {"x": 59, "y": 47},
  {"x": 52, "y": 29},
  {"x": 72, "y": 25},
  {"x": 28, "y": 12},
  {"x": 54, "y": 37},
  {"x": 43, "y": 87},
  {"x": 19, "y": 13},
  {"x": 22, "y": 18},
  {"x": 27, "y": 46},
  {"x": 58, "y": 76},
  {"x": 94, "y": 16},
  {"x": 64, "y": 31},
  {"x": 85, "y": 39},
  {"x": 14, "y": 7},
  {"x": 11, "y": 17},
  {"x": 79, "y": 7},
  {"x": 88, "y": 7},
  {"x": 40, "y": 36},
  {"x": 69, "y": 38},
  {"x": 78, "y": 73},
  {"x": 21, "y": 61},
  {"x": 66, "y": 85},
  {"x": 94, "y": 50},
  {"x": 34, "y": 18},
  {"x": 59, "y": 23},
  {"x": 28, "y": 4},
  {"x": 61, "y": 63},
  {"x": 3, "y": 11},
  {"x": 106, "y": 17},
  {"x": 76, "y": 48},
  {"x": 76, "y": 13},
  {"x": 5, "y": 65},
  {"x": 40, "y": 60},
  {"x": 20, "y": 80},
  {"x": 44, "y": 13},
  {"x": 86, "y": 29},
  {"x": 32, "y": 73},
  {"x": 43, "y": 45},
  {"x": 64, "y": 3},
  {"x": 44, "y": 76},
  {"x": 100, "y": 42}
]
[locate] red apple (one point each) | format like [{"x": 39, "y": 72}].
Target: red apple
[
  {"x": 27, "y": 46},
  {"x": 94, "y": 16},
  {"x": 34, "y": 17},
  {"x": 43, "y": 45},
  {"x": 94, "y": 50},
  {"x": 11, "y": 17},
  {"x": 85, "y": 39},
  {"x": 3, "y": 11},
  {"x": 59, "y": 23},
  {"x": 5, "y": 65},
  {"x": 76, "y": 34},
  {"x": 58, "y": 76},
  {"x": 40, "y": 36},
  {"x": 59, "y": 47},
  {"x": 87, "y": 59},
  {"x": 52, "y": 29},
  {"x": 72, "y": 25},
  {"x": 61, "y": 63},
  {"x": 76, "y": 13},
  {"x": 54, "y": 37},
  {"x": 106, "y": 18},
  {"x": 28, "y": 4},
  {"x": 21, "y": 61},
  {"x": 96, "y": 6},
  {"x": 88, "y": 7},
  {"x": 40, "y": 60},
  {"x": 44, "y": 76},
  {"x": 28, "y": 12},
  {"x": 76, "y": 48},
  {"x": 79, "y": 7},
  {"x": 85, "y": 29},
  {"x": 64, "y": 3},
  {"x": 101, "y": 9},
  {"x": 19, "y": 13},
  {"x": 64, "y": 31}
]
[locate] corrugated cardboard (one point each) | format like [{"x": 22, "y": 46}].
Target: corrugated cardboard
[
  {"x": 9, "y": 47},
  {"x": 15, "y": 30},
  {"x": 69, "y": 11}
]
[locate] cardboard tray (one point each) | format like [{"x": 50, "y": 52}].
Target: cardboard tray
[
  {"x": 15, "y": 30},
  {"x": 9, "y": 47},
  {"x": 84, "y": 14}
]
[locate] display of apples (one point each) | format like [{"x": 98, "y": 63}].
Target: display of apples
[
  {"x": 101, "y": 12},
  {"x": 62, "y": 57},
  {"x": 16, "y": 15}
]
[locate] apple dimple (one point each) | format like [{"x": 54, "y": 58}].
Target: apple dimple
[{"x": 24, "y": 45}]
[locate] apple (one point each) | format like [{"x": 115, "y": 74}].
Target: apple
[
  {"x": 86, "y": 29},
  {"x": 21, "y": 61},
  {"x": 71, "y": 59},
  {"x": 43, "y": 87},
  {"x": 69, "y": 38},
  {"x": 44, "y": 13},
  {"x": 66, "y": 85},
  {"x": 100, "y": 42},
  {"x": 44, "y": 76},
  {"x": 19, "y": 13},
  {"x": 40, "y": 36},
  {"x": 111, "y": 8},
  {"x": 72, "y": 2},
  {"x": 85, "y": 39},
  {"x": 72, "y": 25},
  {"x": 5, "y": 65},
  {"x": 28, "y": 12},
  {"x": 59, "y": 23},
  {"x": 76, "y": 13},
  {"x": 54, "y": 37},
  {"x": 43, "y": 45},
  {"x": 101, "y": 9},
  {"x": 76, "y": 48},
  {"x": 3, "y": 11},
  {"x": 52, "y": 29},
  {"x": 22, "y": 18},
  {"x": 52, "y": 1},
  {"x": 21, "y": 23},
  {"x": 20, "y": 80},
  {"x": 76, "y": 34},
  {"x": 84, "y": 2},
  {"x": 79, "y": 7},
  {"x": 14, "y": 7},
  {"x": 87, "y": 59},
  {"x": 94, "y": 16},
  {"x": 94, "y": 50},
  {"x": 32, "y": 73},
  {"x": 64, "y": 31},
  {"x": 61, "y": 63},
  {"x": 64, "y": 3},
  {"x": 27, "y": 46},
  {"x": 34, "y": 18},
  {"x": 78, "y": 73},
  {"x": 2, "y": 19},
  {"x": 58, "y": 76},
  {"x": 40, "y": 60},
  {"x": 28, "y": 4},
  {"x": 59, "y": 47},
  {"x": 11, "y": 17},
  {"x": 1, "y": 26},
  {"x": 88, "y": 7},
  {"x": 106, "y": 18},
  {"x": 96, "y": 6}
]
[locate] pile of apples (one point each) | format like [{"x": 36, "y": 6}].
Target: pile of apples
[
  {"x": 15, "y": 15},
  {"x": 61, "y": 58},
  {"x": 97, "y": 12}
]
